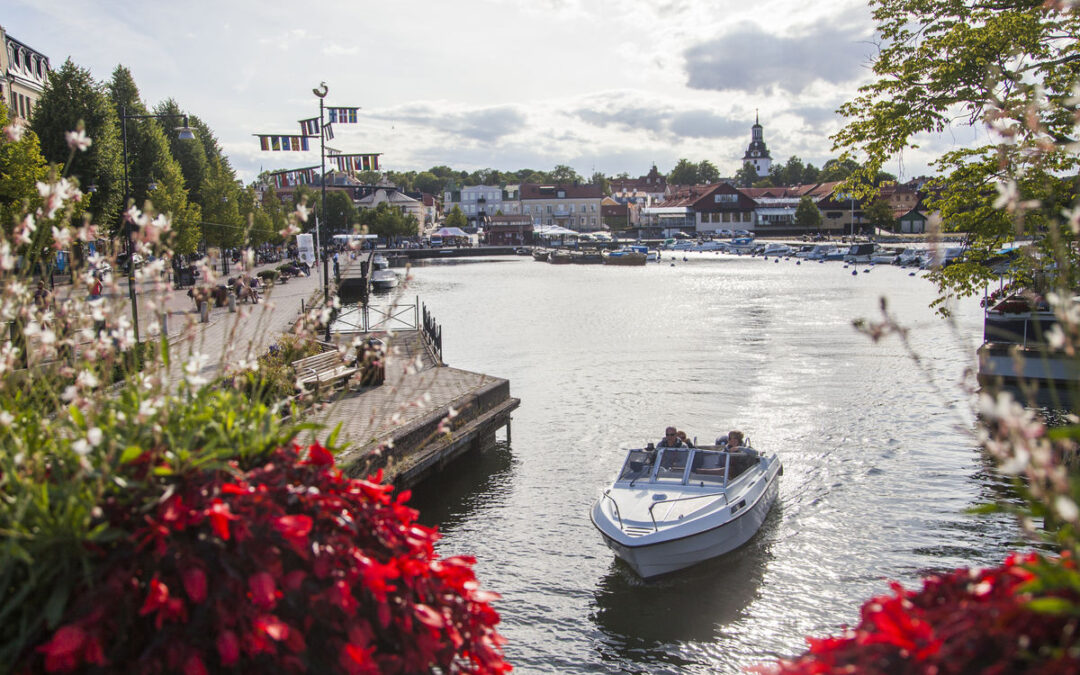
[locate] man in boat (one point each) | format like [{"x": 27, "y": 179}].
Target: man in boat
[
  {"x": 671, "y": 439},
  {"x": 735, "y": 443}
]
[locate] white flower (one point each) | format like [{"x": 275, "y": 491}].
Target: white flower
[
  {"x": 95, "y": 436},
  {"x": 14, "y": 132},
  {"x": 192, "y": 368},
  {"x": 1066, "y": 508},
  {"x": 1055, "y": 337},
  {"x": 61, "y": 238},
  {"x": 78, "y": 140},
  {"x": 302, "y": 212},
  {"x": 6, "y": 418},
  {"x": 86, "y": 380},
  {"x": 81, "y": 447}
]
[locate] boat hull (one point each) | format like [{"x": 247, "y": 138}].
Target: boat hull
[
  {"x": 630, "y": 258},
  {"x": 655, "y": 556}
]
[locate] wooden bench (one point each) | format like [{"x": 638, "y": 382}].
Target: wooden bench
[{"x": 325, "y": 368}]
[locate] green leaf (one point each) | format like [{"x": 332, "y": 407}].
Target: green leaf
[
  {"x": 130, "y": 454},
  {"x": 1053, "y": 606}
]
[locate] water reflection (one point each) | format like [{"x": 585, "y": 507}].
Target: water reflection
[
  {"x": 639, "y": 617},
  {"x": 477, "y": 480}
]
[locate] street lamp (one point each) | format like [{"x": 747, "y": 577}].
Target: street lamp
[
  {"x": 321, "y": 91},
  {"x": 186, "y": 134}
]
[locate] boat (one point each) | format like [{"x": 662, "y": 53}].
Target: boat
[
  {"x": 559, "y": 257},
  {"x": 712, "y": 245},
  {"x": 379, "y": 262},
  {"x": 540, "y": 254},
  {"x": 1016, "y": 347},
  {"x": 817, "y": 252},
  {"x": 776, "y": 250},
  {"x": 625, "y": 256},
  {"x": 670, "y": 508},
  {"x": 910, "y": 256},
  {"x": 741, "y": 245},
  {"x": 383, "y": 280},
  {"x": 860, "y": 253},
  {"x": 886, "y": 256},
  {"x": 586, "y": 258}
]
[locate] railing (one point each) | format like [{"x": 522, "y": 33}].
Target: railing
[
  {"x": 370, "y": 318},
  {"x": 432, "y": 334},
  {"x": 616, "y": 505},
  {"x": 681, "y": 499}
]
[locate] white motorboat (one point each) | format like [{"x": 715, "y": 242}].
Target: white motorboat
[
  {"x": 671, "y": 508},
  {"x": 860, "y": 253},
  {"x": 741, "y": 245},
  {"x": 885, "y": 256},
  {"x": 379, "y": 262},
  {"x": 910, "y": 256},
  {"x": 818, "y": 252},
  {"x": 1016, "y": 349},
  {"x": 383, "y": 280},
  {"x": 776, "y": 250}
]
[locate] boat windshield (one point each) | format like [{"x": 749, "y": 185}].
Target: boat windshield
[
  {"x": 672, "y": 465},
  {"x": 709, "y": 466},
  {"x": 639, "y": 464}
]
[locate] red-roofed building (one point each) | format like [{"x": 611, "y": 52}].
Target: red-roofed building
[{"x": 699, "y": 209}]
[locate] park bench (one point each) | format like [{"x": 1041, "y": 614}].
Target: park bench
[{"x": 326, "y": 368}]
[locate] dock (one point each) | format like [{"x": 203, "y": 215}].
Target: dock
[{"x": 424, "y": 415}]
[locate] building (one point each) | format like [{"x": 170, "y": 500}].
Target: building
[
  {"x": 481, "y": 202},
  {"x": 643, "y": 191},
  {"x": 23, "y": 74},
  {"x": 700, "y": 209},
  {"x": 757, "y": 153},
  {"x": 575, "y": 207},
  {"x": 776, "y": 206},
  {"x": 432, "y": 210},
  {"x": 508, "y": 230},
  {"x": 388, "y": 193}
]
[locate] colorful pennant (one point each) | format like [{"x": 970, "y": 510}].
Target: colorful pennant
[
  {"x": 359, "y": 162},
  {"x": 310, "y": 127},
  {"x": 343, "y": 115},
  {"x": 278, "y": 143}
]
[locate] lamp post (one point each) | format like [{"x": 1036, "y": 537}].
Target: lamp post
[
  {"x": 321, "y": 91},
  {"x": 186, "y": 134}
]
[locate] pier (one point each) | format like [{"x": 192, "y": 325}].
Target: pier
[{"x": 424, "y": 414}]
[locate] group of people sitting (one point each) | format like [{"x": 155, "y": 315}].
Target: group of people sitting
[{"x": 673, "y": 438}]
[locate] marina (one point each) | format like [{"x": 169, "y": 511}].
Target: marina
[{"x": 603, "y": 359}]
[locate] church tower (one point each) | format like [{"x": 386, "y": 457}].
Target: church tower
[{"x": 757, "y": 153}]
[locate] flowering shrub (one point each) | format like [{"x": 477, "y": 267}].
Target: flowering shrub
[
  {"x": 1008, "y": 619},
  {"x": 287, "y": 567}
]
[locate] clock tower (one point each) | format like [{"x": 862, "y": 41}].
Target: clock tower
[{"x": 757, "y": 153}]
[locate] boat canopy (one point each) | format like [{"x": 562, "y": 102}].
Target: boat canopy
[{"x": 686, "y": 466}]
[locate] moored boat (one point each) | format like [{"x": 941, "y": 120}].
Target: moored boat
[
  {"x": 379, "y": 262},
  {"x": 625, "y": 256},
  {"x": 540, "y": 254},
  {"x": 670, "y": 508},
  {"x": 1016, "y": 345},
  {"x": 384, "y": 280},
  {"x": 559, "y": 257},
  {"x": 586, "y": 258}
]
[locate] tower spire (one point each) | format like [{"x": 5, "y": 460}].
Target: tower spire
[{"x": 757, "y": 118}]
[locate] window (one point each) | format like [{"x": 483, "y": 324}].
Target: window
[
  {"x": 561, "y": 194},
  {"x": 727, "y": 217},
  {"x": 583, "y": 220},
  {"x": 549, "y": 211}
]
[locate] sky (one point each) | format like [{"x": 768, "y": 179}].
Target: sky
[{"x": 600, "y": 85}]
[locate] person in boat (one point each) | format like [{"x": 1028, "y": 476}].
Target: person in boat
[
  {"x": 671, "y": 439},
  {"x": 735, "y": 443},
  {"x": 682, "y": 437}
]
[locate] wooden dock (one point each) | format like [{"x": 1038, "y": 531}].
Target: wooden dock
[{"x": 423, "y": 416}]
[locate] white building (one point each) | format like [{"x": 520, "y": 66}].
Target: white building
[
  {"x": 480, "y": 202},
  {"x": 23, "y": 73},
  {"x": 757, "y": 153}
]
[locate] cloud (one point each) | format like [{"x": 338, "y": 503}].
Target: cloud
[
  {"x": 750, "y": 59},
  {"x": 480, "y": 124},
  {"x": 706, "y": 124},
  {"x": 628, "y": 112}
]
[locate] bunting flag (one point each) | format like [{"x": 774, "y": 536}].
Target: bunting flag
[
  {"x": 277, "y": 143},
  {"x": 343, "y": 115},
  {"x": 309, "y": 127},
  {"x": 328, "y": 131},
  {"x": 364, "y": 162},
  {"x": 306, "y": 176}
]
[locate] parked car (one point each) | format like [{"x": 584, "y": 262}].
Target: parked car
[
  {"x": 743, "y": 233},
  {"x": 725, "y": 233}
]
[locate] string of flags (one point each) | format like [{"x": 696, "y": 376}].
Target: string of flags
[
  {"x": 343, "y": 115},
  {"x": 306, "y": 176},
  {"x": 358, "y": 162},
  {"x": 280, "y": 143}
]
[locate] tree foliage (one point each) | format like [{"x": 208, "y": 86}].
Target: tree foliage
[
  {"x": 72, "y": 96},
  {"x": 807, "y": 214},
  {"x": 456, "y": 218},
  {"x": 880, "y": 215},
  {"x": 746, "y": 176},
  {"x": 21, "y": 167},
  {"x": 1010, "y": 66}
]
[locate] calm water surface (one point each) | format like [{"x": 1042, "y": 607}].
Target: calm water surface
[{"x": 879, "y": 462}]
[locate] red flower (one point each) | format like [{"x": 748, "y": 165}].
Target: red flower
[
  {"x": 220, "y": 515},
  {"x": 194, "y": 583},
  {"x": 63, "y": 652},
  {"x": 295, "y": 529},
  {"x": 228, "y": 647},
  {"x": 319, "y": 456},
  {"x": 156, "y": 597},
  {"x": 263, "y": 591}
]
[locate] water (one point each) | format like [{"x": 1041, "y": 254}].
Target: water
[{"x": 879, "y": 461}]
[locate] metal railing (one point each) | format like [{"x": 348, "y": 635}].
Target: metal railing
[
  {"x": 372, "y": 318},
  {"x": 681, "y": 499},
  {"x": 432, "y": 334}
]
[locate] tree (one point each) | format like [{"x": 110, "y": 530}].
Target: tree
[
  {"x": 684, "y": 173},
  {"x": 707, "y": 172},
  {"x": 72, "y": 96},
  {"x": 880, "y": 215},
  {"x": 189, "y": 153},
  {"x": 746, "y": 176},
  {"x": 222, "y": 223},
  {"x": 563, "y": 174},
  {"x": 807, "y": 214},
  {"x": 456, "y": 218},
  {"x": 598, "y": 178},
  {"x": 340, "y": 212},
  {"x": 428, "y": 182},
  {"x": 838, "y": 170},
  {"x": 1010, "y": 66},
  {"x": 21, "y": 167}
]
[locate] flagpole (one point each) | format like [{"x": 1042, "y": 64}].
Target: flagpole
[{"x": 322, "y": 162}]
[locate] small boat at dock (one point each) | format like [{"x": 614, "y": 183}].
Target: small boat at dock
[
  {"x": 383, "y": 280},
  {"x": 670, "y": 508},
  {"x": 540, "y": 254},
  {"x": 625, "y": 256}
]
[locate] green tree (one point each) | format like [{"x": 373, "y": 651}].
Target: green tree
[
  {"x": 21, "y": 167},
  {"x": 810, "y": 175},
  {"x": 707, "y": 172},
  {"x": 807, "y": 214},
  {"x": 746, "y": 176},
  {"x": 838, "y": 170},
  {"x": 341, "y": 213},
  {"x": 222, "y": 223},
  {"x": 190, "y": 153},
  {"x": 684, "y": 173},
  {"x": 72, "y": 96},
  {"x": 598, "y": 178},
  {"x": 1011, "y": 66},
  {"x": 456, "y": 218},
  {"x": 880, "y": 215},
  {"x": 428, "y": 182},
  {"x": 563, "y": 174}
]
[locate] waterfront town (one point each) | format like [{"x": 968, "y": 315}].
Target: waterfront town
[{"x": 331, "y": 416}]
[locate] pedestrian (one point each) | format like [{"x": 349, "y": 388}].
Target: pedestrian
[{"x": 95, "y": 288}]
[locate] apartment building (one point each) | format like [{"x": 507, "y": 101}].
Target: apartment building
[
  {"x": 23, "y": 74},
  {"x": 575, "y": 207}
]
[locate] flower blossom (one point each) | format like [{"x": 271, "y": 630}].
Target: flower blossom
[{"x": 78, "y": 140}]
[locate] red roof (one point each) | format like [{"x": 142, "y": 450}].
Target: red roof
[{"x": 535, "y": 191}]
